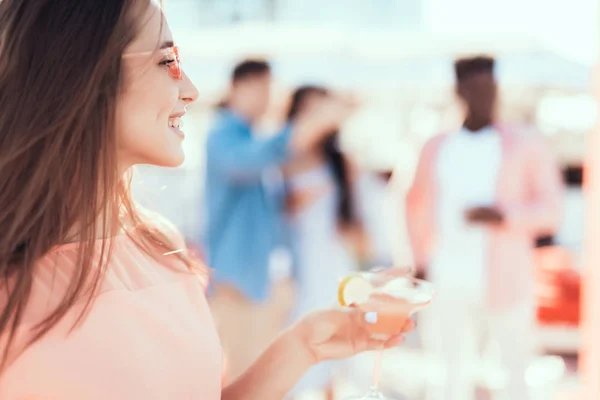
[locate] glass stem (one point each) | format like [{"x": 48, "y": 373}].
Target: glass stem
[{"x": 377, "y": 372}]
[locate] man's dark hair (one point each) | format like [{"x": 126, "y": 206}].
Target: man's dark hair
[
  {"x": 250, "y": 68},
  {"x": 467, "y": 67}
]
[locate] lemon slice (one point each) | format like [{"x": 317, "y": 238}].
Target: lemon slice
[{"x": 354, "y": 289}]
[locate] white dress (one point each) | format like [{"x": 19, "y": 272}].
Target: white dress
[{"x": 321, "y": 257}]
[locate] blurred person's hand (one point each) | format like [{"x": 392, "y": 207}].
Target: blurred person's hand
[
  {"x": 332, "y": 112},
  {"x": 357, "y": 238},
  {"x": 340, "y": 333},
  {"x": 325, "y": 120},
  {"x": 350, "y": 100},
  {"x": 485, "y": 215}
]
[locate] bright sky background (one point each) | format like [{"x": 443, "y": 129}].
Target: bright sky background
[{"x": 567, "y": 26}]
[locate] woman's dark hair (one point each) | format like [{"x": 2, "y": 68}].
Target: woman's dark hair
[
  {"x": 334, "y": 157},
  {"x": 60, "y": 80}
]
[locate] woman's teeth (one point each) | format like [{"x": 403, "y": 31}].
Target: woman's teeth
[{"x": 176, "y": 122}]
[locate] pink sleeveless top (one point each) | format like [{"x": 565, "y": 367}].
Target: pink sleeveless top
[{"x": 148, "y": 335}]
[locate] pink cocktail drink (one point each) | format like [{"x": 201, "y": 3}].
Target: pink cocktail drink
[
  {"x": 392, "y": 312},
  {"x": 387, "y": 298}
]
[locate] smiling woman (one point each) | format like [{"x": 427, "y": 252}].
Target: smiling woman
[
  {"x": 99, "y": 299},
  {"x": 154, "y": 97},
  {"x": 92, "y": 89}
]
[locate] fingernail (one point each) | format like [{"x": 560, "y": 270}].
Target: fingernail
[{"x": 371, "y": 317}]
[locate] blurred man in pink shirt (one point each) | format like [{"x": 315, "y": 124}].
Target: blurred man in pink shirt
[{"x": 480, "y": 197}]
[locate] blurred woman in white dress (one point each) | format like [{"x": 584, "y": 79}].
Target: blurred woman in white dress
[{"x": 326, "y": 232}]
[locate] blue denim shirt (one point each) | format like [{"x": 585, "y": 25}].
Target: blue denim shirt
[{"x": 244, "y": 200}]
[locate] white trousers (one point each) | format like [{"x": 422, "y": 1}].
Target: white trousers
[{"x": 477, "y": 347}]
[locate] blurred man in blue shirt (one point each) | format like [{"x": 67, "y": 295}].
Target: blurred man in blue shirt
[{"x": 245, "y": 201}]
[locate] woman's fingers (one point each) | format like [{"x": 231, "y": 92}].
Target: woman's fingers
[
  {"x": 409, "y": 326},
  {"x": 371, "y": 317},
  {"x": 370, "y": 343},
  {"x": 360, "y": 322},
  {"x": 394, "y": 341}
]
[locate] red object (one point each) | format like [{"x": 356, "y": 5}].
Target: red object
[{"x": 558, "y": 287}]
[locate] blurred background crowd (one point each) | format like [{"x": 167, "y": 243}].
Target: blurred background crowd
[{"x": 314, "y": 152}]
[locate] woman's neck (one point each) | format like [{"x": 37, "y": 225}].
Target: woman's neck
[{"x": 113, "y": 227}]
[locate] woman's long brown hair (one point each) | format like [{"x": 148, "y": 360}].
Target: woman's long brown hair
[{"x": 60, "y": 78}]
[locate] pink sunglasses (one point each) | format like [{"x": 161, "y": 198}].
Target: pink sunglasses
[{"x": 174, "y": 63}]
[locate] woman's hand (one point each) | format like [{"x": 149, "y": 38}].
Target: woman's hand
[
  {"x": 340, "y": 333},
  {"x": 322, "y": 335}
]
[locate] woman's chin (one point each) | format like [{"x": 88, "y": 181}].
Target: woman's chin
[
  {"x": 172, "y": 160},
  {"x": 175, "y": 162}
]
